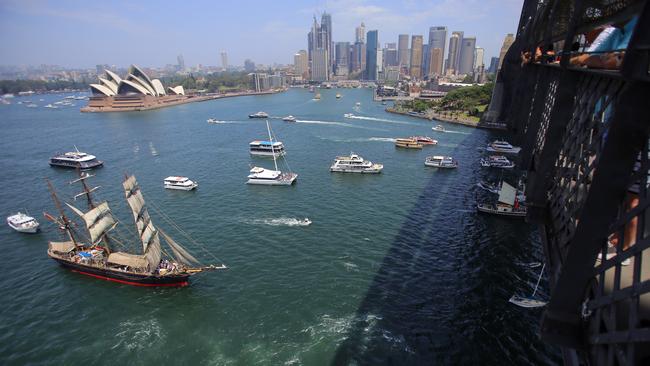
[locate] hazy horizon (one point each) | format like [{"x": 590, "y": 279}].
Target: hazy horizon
[{"x": 77, "y": 34}]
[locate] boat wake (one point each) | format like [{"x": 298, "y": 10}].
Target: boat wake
[
  {"x": 331, "y": 123},
  {"x": 381, "y": 120},
  {"x": 138, "y": 335},
  {"x": 457, "y": 132},
  {"x": 361, "y": 139},
  {"x": 281, "y": 221}
]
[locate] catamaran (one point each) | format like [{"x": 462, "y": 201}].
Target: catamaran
[
  {"x": 76, "y": 160},
  {"x": 259, "y": 175},
  {"x": 98, "y": 255}
]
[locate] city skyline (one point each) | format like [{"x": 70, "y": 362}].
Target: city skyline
[{"x": 73, "y": 34}]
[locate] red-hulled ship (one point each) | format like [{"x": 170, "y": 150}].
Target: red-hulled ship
[{"x": 98, "y": 258}]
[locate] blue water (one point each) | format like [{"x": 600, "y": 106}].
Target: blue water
[{"x": 397, "y": 268}]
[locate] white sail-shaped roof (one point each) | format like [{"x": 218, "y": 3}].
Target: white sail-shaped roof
[
  {"x": 142, "y": 82},
  {"x": 507, "y": 194},
  {"x": 113, "y": 77},
  {"x": 158, "y": 87},
  {"x": 109, "y": 84},
  {"x": 146, "y": 231},
  {"x": 101, "y": 89},
  {"x": 127, "y": 86},
  {"x": 176, "y": 90},
  {"x": 136, "y": 71}
]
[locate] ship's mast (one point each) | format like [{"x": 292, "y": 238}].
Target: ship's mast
[
  {"x": 91, "y": 205},
  {"x": 271, "y": 140},
  {"x": 66, "y": 223}
]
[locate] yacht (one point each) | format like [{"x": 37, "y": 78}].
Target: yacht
[
  {"x": 408, "y": 143},
  {"x": 438, "y": 128},
  {"x": 179, "y": 183},
  {"x": 23, "y": 223},
  {"x": 267, "y": 148},
  {"x": 289, "y": 118},
  {"x": 446, "y": 162},
  {"x": 497, "y": 161},
  {"x": 355, "y": 164},
  {"x": 259, "y": 115},
  {"x": 424, "y": 140},
  {"x": 348, "y": 115},
  {"x": 270, "y": 177},
  {"x": 502, "y": 147},
  {"x": 76, "y": 160}
]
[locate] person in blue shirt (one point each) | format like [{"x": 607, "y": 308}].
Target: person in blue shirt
[{"x": 608, "y": 49}]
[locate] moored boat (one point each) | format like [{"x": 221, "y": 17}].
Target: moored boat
[
  {"x": 262, "y": 176},
  {"x": 408, "y": 143},
  {"x": 354, "y": 163},
  {"x": 179, "y": 183},
  {"x": 23, "y": 223},
  {"x": 259, "y": 115},
  {"x": 445, "y": 162},
  {"x": 501, "y": 146},
  {"x": 266, "y": 148},
  {"x": 424, "y": 140},
  {"x": 497, "y": 161},
  {"x": 506, "y": 205},
  {"x": 76, "y": 160}
]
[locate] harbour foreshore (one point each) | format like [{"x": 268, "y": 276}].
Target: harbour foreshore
[
  {"x": 445, "y": 118},
  {"x": 145, "y": 104}
]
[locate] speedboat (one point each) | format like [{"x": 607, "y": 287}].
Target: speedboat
[
  {"x": 438, "y": 128},
  {"x": 445, "y": 162},
  {"x": 358, "y": 104},
  {"x": 270, "y": 177},
  {"x": 338, "y": 96},
  {"x": 267, "y": 148},
  {"x": 355, "y": 164},
  {"x": 50, "y": 106},
  {"x": 502, "y": 147},
  {"x": 179, "y": 183},
  {"x": 497, "y": 161},
  {"x": 348, "y": 115},
  {"x": 289, "y": 118},
  {"x": 424, "y": 140},
  {"x": 23, "y": 223},
  {"x": 408, "y": 143},
  {"x": 259, "y": 115},
  {"x": 305, "y": 222},
  {"x": 75, "y": 159},
  {"x": 213, "y": 120}
]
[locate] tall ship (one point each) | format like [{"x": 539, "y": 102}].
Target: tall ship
[
  {"x": 101, "y": 252},
  {"x": 75, "y": 160},
  {"x": 354, "y": 163},
  {"x": 263, "y": 176},
  {"x": 267, "y": 148}
]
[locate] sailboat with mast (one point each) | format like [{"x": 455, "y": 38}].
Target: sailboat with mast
[
  {"x": 259, "y": 175},
  {"x": 98, "y": 255}
]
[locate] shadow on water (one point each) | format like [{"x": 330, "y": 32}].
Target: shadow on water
[{"x": 441, "y": 293}]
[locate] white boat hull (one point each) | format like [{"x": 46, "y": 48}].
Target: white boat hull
[
  {"x": 364, "y": 171},
  {"x": 181, "y": 188},
  {"x": 514, "y": 150},
  {"x": 271, "y": 182},
  {"x": 441, "y": 166},
  {"x": 267, "y": 154},
  {"x": 26, "y": 230}
]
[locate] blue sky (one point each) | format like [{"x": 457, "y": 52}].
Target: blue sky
[{"x": 152, "y": 33}]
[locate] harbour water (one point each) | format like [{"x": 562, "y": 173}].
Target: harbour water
[{"x": 397, "y": 268}]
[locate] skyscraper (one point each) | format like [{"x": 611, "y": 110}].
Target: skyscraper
[
  {"x": 358, "y": 61},
  {"x": 301, "y": 64},
  {"x": 342, "y": 58},
  {"x": 416, "y": 57},
  {"x": 466, "y": 63},
  {"x": 328, "y": 44},
  {"x": 390, "y": 55},
  {"x": 454, "y": 52},
  {"x": 318, "y": 55},
  {"x": 360, "y": 34},
  {"x": 224, "y": 60},
  {"x": 372, "y": 47},
  {"x": 479, "y": 54},
  {"x": 435, "y": 63},
  {"x": 403, "y": 50},
  {"x": 319, "y": 65},
  {"x": 507, "y": 42},
  {"x": 181, "y": 63},
  {"x": 437, "y": 39},
  {"x": 249, "y": 66},
  {"x": 494, "y": 64}
]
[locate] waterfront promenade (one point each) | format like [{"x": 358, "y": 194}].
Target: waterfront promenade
[{"x": 431, "y": 116}]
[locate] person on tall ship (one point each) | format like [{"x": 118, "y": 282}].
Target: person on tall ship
[{"x": 98, "y": 256}]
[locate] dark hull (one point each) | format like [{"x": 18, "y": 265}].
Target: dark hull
[{"x": 126, "y": 278}]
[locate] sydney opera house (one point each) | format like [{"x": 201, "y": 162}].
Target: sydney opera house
[{"x": 134, "y": 92}]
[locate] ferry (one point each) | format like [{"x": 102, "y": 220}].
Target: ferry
[
  {"x": 408, "y": 143},
  {"x": 501, "y": 146},
  {"x": 259, "y": 115},
  {"x": 355, "y": 164},
  {"x": 289, "y": 118},
  {"x": 445, "y": 162},
  {"x": 23, "y": 223},
  {"x": 438, "y": 128},
  {"x": 179, "y": 183},
  {"x": 75, "y": 160},
  {"x": 424, "y": 140},
  {"x": 497, "y": 161},
  {"x": 267, "y": 148}
]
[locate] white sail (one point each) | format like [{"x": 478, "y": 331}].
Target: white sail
[
  {"x": 180, "y": 253},
  {"x": 98, "y": 221},
  {"x": 146, "y": 230},
  {"x": 507, "y": 194}
]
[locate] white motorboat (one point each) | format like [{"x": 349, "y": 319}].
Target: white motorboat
[
  {"x": 259, "y": 115},
  {"x": 501, "y": 146},
  {"x": 267, "y": 148},
  {"x": 305, "y": 222},
  {"x": 438, "y": 128},
  {"x": 23, "y": 223},
  {"x": 348, "y": 115},
  {"x": 262, "y": 176},
  {"x": 506, "y": 205},
  {"x": 445, "y": 162},
  {"x": 358, "y": 104},
  {"x": 179, "y": 183},
  {"x": 50, "y": 106},
  {"x": 213, "y": 120},
  {"x": 289, "y": 118},
  {"x": 497, "y": 161},
  {"x": 75, "y": 159},
  {"x": 354, "y": 163}
]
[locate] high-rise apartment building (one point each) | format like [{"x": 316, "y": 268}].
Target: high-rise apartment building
[
  {"x": 372, "y": 50},
  {"x": 416, "y": 57},
  {"x": 466, "y": 63},
  {"x": 224, "y": 60},
  {"x": 507, "y": 42},
  {"x": 453, "y": 56},
  {"x": 403, "y": 50},
  {"x": 301, "y": 64}
]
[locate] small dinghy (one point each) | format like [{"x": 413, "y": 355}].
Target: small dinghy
[{"x": 529, "y": 302}]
